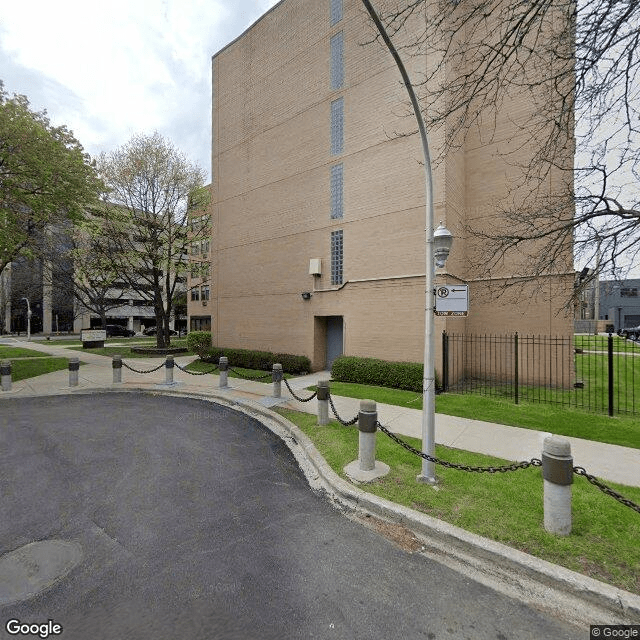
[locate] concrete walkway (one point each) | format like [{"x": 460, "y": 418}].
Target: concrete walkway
[{"x": 609, "y": 462}]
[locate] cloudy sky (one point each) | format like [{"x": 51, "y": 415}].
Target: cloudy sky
[{"x": 110, "y": 69}]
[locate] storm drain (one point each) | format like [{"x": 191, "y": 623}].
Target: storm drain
[{"x": 33, "y": 568}]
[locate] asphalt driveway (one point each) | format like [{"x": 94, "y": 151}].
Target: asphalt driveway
[{"x": 195, "y": 523}]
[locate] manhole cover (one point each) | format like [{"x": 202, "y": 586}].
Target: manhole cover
[{"x": 33, "y": 568}]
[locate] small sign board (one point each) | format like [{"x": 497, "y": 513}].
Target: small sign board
[
  {"x": 93, "y": 338},
  {"x": 452, "y": 300}
]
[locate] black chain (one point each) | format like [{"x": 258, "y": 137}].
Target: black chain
[
  {"x": 298, "y": 398},
  {"x": 242, "y": 375},
  {"x": 124, "y": 364},
  {"x": 580, "y": 471},
  {"x": 345, "y": 423},
  {"x": 195, "y": 373},
  {"x": 534, "y": 462}
]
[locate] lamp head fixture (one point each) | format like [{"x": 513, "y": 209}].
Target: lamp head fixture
[{"x": 442, "y": 241}]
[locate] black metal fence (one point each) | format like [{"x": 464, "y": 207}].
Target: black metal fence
[{"x": 596, "y": 373}]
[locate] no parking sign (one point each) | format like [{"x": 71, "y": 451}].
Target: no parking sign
[{"x": 452, "y": 300}]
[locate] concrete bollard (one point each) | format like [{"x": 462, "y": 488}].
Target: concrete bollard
[
  {"x": 277, "y": 380},
  {"x": 169, "y": 364},
  {"x": 323, "y": 402},
  {"x": 367, "y": 428},
  {"x": 557, "y": 472},
  {"x": 366, "y": 468},
  {"x": 74, "y": 367},
  {"x": 223, "y": 365},
  {"x": 5, "y": 375},
  {"x": 116, "y": 363}
]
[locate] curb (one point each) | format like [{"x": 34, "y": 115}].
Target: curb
[{"x": 569, "y": 595}]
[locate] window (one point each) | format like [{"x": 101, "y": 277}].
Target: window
[
  {"x": 629, "y": 292},
  {"x": 336, "y": 11},
  {"x": 200, "y": 323},
  {"x": 337, "y": 204},
  {"x": 195, "y": 294},
  {"x": 204, "y": 246},
  {"x": 205, "y": 292},
  {"x": 194, "y": 248},
  {"x": 337, "y": 126},
  {"x": 336, "y": 257},
  {"x": 337, "y": 61}
]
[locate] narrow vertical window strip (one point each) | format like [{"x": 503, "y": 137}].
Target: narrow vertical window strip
[
  {"x": 337, "y": 127},
  {"x": 337, "y": 257},
  {"x": 337, "y": 60},
  {"x": 337, "y": 187},
  {"x": 336, "y": 11}
]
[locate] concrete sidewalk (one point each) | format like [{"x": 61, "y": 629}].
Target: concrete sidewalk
[{"x": 608, "y": 462}]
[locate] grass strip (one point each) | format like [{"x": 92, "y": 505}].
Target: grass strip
[
  {"x": 23, "y": 369},
  {"x": 507, "y": 507},
  {"x": 199, "y": 366},
  {"x": 19, "y": 352},
  {"x": 560, "y": 420},
  {"x": 124, "y": 350}
]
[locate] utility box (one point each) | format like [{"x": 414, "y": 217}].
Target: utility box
[{"x": 315, "y": 267}]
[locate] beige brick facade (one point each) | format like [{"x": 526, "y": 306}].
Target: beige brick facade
[{"x": 271, "y": 171}]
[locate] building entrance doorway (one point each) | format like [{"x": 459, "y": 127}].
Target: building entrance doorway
[{"x": 335, "y": 338}]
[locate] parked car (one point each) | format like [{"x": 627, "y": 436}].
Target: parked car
[
  {"x": 118, "y": 330},
  {"x": 151, "y": 331},
  {"x": 631, "y": 333}
]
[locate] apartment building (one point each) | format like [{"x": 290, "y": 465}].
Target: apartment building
[
  {"x": 199, "y": 271},
  {"x": 318, "y": 244}
]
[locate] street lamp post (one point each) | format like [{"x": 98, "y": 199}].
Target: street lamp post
[
  {"x": 28, "y": 318},
  {"x": 438, "y": 244}
]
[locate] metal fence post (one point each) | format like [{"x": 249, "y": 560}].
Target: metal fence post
[
  {"x": 116, "y": 363},
  {"x": 74, "y": 367},
  {"x": 557, "y": 471},
  {"x": 323, "y": 402},
  {"x": 276, "y": 376},
  {"x": 223, "y": 365},
  {"x": 445, "y": 361},
  {"x": 169, "y": 364},
  {"x": 5, "y": 375},
  {"x": 366, "y": 468},
  {"x": 516, "y": 371},
  {"x": 610, "y": 370}
]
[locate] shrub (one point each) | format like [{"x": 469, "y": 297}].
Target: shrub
[
  {"x": 260, "y": 360},
  {"x": 381, "y": 373},
  {"x": 199, "y": 342}
]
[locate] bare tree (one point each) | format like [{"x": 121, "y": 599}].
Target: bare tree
[
  {"x": 152, "y": 190},
  {"x": 576, "y": 66}
]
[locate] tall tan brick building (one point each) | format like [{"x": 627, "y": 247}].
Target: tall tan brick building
[{"x": 318, "y": 239}]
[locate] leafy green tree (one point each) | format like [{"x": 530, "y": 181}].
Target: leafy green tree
[
  {"x": 45, "y": 177},
  {"x": 151, "y": 190}
]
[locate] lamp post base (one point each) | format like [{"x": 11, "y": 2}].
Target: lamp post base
[{"x": 432, "y": 480}]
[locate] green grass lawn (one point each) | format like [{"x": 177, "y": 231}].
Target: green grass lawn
[
  {"x": 6, "y": 353},
  {"x": 23, "y": 369},
  {"x": 561, "y": 420},
  {"x": 504, "y": 507}
]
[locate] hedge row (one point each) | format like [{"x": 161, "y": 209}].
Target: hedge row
[
  {"x": 381, "y": 373},
  {"x": 260, "y": 360}
]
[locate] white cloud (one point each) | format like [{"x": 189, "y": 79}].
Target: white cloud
[{"x": 109, "y": 70}]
